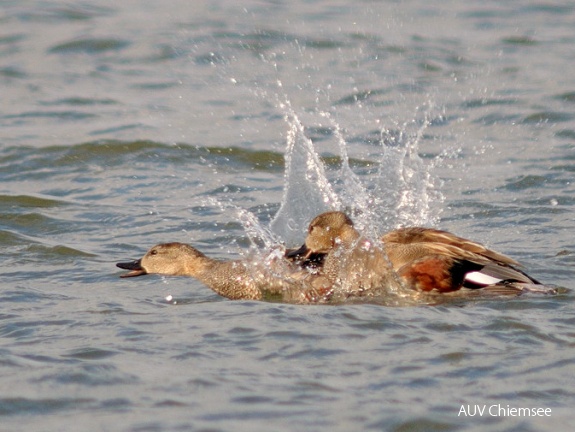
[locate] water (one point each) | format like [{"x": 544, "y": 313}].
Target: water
[{"x": 227, "y": 125}]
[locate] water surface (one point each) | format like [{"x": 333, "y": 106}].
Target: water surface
[{"x": 229, "y": 126}]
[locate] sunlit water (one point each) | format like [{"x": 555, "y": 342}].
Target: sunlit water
[{"x": 229, "y": 125}]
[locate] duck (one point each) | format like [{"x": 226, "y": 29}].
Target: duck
[
  {"x": 355, "y": 266},
  {"x": 233, "y": 279},
  {"x": 414, "y": 258}
]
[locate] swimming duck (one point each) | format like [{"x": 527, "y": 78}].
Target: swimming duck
[
  {"x": 355, "y": 266},
  {"x": 232, "y": 279},
  {"x": 422, "y": 259}
]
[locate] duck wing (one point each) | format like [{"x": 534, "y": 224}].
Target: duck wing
[
  {"x": 493, "y": 273},
  {"x": 444, "y": 273},
  {"x": 430, "y": 236}
]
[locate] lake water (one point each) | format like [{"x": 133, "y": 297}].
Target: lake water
[{"x": 229, "y": 125}]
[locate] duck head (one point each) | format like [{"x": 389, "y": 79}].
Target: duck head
[
  {"x": 170, "y": 259},
  {"x": 326, "y": 232}
]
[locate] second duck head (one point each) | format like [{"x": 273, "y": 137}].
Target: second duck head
[{"x": 326, "y": 232}]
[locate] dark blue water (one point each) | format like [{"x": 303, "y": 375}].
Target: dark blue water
[{"x": 229, "y": 126}]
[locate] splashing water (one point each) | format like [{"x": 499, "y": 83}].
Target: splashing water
[
  {"x": 398, "y": 189},
  {"x": 259, "y": 235},
  {"x": 307, "y": 190},
  {"x": 405, "y": 189},
  {"x": 400, "y": 192}
]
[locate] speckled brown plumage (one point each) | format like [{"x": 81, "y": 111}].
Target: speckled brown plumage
[
  {"x": 423, "y": 259},
  {"x": 231, "y": 279}
]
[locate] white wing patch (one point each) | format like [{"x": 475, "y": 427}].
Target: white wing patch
[{"x": 481, "y": 278}]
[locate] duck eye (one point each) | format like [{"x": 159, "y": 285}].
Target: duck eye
[{"x": 153, "y": 252}]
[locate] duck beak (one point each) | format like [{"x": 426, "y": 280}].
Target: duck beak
[
  {"x": 134, "y": 266},
  {"x": 296, "y": 254}
]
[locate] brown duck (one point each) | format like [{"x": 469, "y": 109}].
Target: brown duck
[
  {"x": 232, "y": 279},
  {"x": 422, "y": 259}
]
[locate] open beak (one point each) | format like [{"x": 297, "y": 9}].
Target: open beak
[
  {"x": 134, "y": 266},
  {"x": 302, "y": 253}
]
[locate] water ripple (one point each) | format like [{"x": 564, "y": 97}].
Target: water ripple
[
  {"x": 195, "y": 105},
  {"x": 63, "y": 13},
  {"x": 109, "y": 153},
  {"x": 16, "y": 406},
  {"x": 89, "y": 46},
  {"x": 548, "y": 117}
]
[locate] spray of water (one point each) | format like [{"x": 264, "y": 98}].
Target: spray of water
[
  {"x": 260, "y": 236},
  {"x": 400, "y": 192},
  {"x": 307, "y": 189},
  {"x": 405, "y": 190}
]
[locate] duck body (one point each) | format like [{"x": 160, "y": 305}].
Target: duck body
[
  {"x": 337, "y": 265},
  {"x": 355, "y": 266},
  {"x": 231, "y": 279},
  {"x": 359, "y": 269},
  {"x": 422, "y": 259},
  {"x": 429, "y": 259}
]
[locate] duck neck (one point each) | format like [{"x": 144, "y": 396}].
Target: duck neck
[
  {"x": 349, "y": 237},
  {"x": 230, "y": 279}
]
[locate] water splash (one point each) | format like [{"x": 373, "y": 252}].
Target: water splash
[
  {"x": 307, "y": 190},
  {"x": 259, "y": 235},
  {"x": 353, "y": 194},
  {"x": 400, "y": 191},
  {"x": 406, "y": 192},
  {"x": 397, "y": 189}
]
